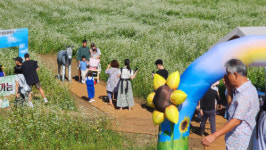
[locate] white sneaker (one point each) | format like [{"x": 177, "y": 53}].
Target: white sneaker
[
  {"x": 82, "y": 81},
  {"x": 30, "y": 104},
  {"x": 45, "y": 100},
  {"x": 98, "y": 81},
  {"x": 91, "y": 100}
]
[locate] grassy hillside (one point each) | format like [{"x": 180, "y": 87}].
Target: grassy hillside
[{"x": 176, "y": 31}]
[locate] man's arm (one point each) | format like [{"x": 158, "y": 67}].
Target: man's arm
[
  {"x": 37, "y": 67},
  {"x": 226, "y": 128},
  {"x": 132, "y": 77},
  {"x": 17, "y": 85}
]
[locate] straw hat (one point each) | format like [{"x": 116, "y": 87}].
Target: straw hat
[{"x": 2, "y": 67}]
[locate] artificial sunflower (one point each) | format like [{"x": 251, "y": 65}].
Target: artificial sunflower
[
  {"x": 165, "y": 98},
  {"x": 183, "y": 126}
]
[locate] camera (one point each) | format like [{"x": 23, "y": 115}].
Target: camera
[
  {"x": 136, "y": 69},
  {"x": 153, "y": 72}
]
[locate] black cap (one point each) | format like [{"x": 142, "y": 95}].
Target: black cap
[
  {"x": 84, "y": 41},
  {"x": 26, "y": 55},
  {"x": 19, "y": 59},
  {"x": 92, "y": 44}
]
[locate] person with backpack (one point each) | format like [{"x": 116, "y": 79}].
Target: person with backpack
[
  {"x": 22, "y": 88},
  {"x": 125, "y": 93}
]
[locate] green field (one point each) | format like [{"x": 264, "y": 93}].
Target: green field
[{"x": 176, "y": 31}]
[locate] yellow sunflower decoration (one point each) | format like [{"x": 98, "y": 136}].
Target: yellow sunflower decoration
[
  {"x": 183, "y": 126},
  {"x": 165, "y": 98}
]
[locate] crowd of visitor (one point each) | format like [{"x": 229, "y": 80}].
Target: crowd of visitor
[
  {"x": 246, "y": 126},
  {"x": 119, "y": 85},
  {"x": 243, "y": 107},
  {"x": 26, "y": 78}
]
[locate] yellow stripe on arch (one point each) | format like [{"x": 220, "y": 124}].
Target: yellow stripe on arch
[{"x": 254, "y": 55}]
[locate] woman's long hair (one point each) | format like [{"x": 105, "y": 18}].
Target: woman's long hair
[
  {"x": 263, "y": 108},
  {"x": 127, "y": 62}
]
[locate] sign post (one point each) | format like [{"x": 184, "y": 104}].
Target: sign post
[
  {"x": 13, "y": 38},
  {"x": 7, "y": 85}
]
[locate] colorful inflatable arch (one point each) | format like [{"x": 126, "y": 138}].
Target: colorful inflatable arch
[
  {"x": 197, "y": 79},
  {"x": 13, "y": 38}
]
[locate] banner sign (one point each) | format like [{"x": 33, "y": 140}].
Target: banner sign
[
  {"x": 7, "y": 85},
  {"x": 13, "y": 38}
]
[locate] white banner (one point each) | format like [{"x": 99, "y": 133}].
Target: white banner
[{"x": 7, "y": 85}]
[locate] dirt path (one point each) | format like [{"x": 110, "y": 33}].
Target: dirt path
[{"x": 138, "y": 120}]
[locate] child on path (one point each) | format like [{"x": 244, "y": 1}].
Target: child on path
[
  {"x": 90, "y": 86},
  {"x": 83, "y": 68},
  {"x": 2, "y": 73}
]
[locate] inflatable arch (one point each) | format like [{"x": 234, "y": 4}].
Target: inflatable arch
[
  {"x": 199, "y": 76},
  {"x": 13, "y": 38}
]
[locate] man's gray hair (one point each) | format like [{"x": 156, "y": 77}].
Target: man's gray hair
[{"x": 236, "y": 65}]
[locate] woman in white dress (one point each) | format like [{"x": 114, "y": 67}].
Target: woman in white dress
[{"x": 125, "y": 93}]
